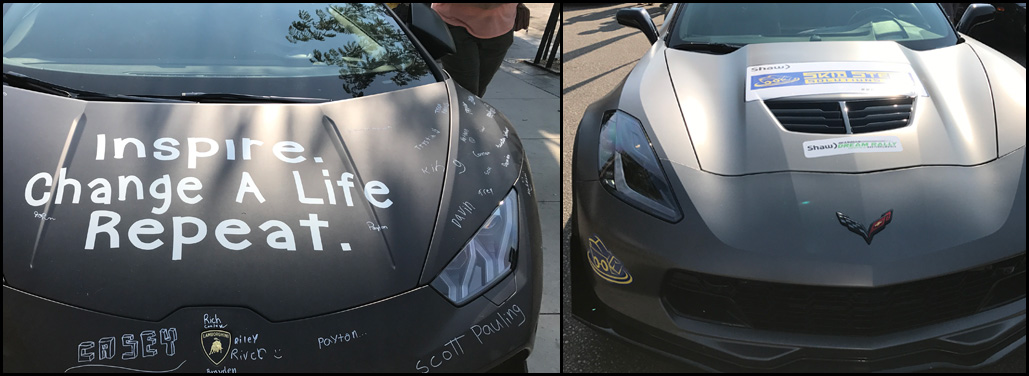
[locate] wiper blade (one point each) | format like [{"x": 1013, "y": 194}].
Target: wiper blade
[
  {"x": 19, "y": 80},
  {"x": 242, "y": 98},
  {"x": 722, "y": 48},
  {"x": 25, "y": 82}
]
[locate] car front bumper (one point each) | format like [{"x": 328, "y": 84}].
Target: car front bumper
[
  {"x": 416, "y": 331},
  {"x": 640, "y": 313}
]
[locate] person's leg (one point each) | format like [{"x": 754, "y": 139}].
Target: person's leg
[
  {"x": 491, "y": 55},
  {"x": 463, "y": 65}
]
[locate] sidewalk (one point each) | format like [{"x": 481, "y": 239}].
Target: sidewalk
[{"x": 530, "y": 98}]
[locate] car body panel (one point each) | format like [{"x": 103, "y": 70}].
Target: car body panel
[
  {"x": 956, "y": 118},
  {"x": 478, "y": 336},
  {"x": 348, "y": 136},
  {"x": 782, "y": 227},
  {"x": 486, "y": 159},
  {"x": 660, "y": 123},
  {"x": 1007, "y": 79},
  {"x": 818, "y": 252}
]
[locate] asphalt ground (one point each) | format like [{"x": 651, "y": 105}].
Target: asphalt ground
[{"x": 598, "y": 54}]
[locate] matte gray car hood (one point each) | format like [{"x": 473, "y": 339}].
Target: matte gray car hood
[
  {"x": 952, "y": 125},
  {"x": 306, "y": 252}
]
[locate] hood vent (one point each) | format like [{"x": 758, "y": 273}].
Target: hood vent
[{"x": 842, "y": 117}]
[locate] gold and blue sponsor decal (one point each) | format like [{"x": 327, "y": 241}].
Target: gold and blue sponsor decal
[
  {"x": 779, "y": 79},
  {"x": 823, "y": 77},
  {"x": 605, "y": 264}
]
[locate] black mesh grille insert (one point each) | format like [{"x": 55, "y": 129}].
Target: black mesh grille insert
[
  {"x": 866, "y": 115},
  {"x": 844, "y": 310}
]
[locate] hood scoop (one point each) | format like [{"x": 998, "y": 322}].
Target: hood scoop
[{"x": 843, "y": 116}]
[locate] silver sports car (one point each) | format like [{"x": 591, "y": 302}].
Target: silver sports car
[{"x": 801, "y": 187}]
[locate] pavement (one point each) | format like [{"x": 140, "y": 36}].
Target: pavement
[
  {"x": 530, "y": 98},
  {"x": 598, "y": 54}
]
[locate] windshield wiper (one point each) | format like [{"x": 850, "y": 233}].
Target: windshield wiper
[
  {"x": 239, "y": 98},
  {"x": 721, "y": 48},
  {"x": 19, "y": 80}
]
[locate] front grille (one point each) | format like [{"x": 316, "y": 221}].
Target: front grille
[
  {"x": 843, "y": 310},
  {"x": 861, "y": 116}
]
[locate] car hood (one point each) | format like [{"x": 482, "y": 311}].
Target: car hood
[
  {"x": 293, "y": 210},
  {"x": 733, "y": 133}
]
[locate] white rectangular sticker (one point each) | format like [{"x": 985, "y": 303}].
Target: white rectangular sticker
[
  {"x": 772, "y": 81},
  {"x": 851, "y": 145}
]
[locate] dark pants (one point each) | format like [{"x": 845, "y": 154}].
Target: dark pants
[{"x": 476, "y": 60}]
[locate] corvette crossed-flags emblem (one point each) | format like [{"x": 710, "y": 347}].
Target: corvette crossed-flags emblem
[{"x": 873, "y": 229}]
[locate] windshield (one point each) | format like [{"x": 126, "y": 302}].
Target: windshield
[
  {"x": 916, "y": 26},
  {"x": 290, "y": 50}
]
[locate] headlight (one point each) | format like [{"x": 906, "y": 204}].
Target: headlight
[
  {"x": 486, "y": 258},
  {"x": 630, "y": 170}
]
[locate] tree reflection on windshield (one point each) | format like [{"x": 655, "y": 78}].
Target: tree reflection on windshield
[{"x": 374, "y": 46}]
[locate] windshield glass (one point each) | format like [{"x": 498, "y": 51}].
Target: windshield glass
[
  {"x": 291, "y": 50},
  {"x": 917, "y": 26}
]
